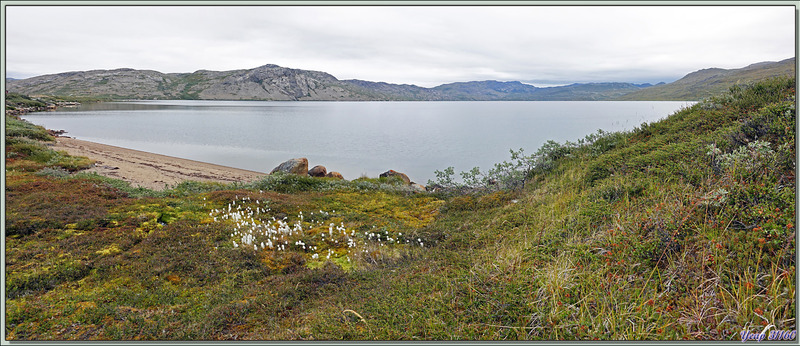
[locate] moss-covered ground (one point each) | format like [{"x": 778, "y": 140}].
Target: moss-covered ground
[{"x": 680, "y": 229}]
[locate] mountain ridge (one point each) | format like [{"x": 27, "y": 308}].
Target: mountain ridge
[
  {"x": 707, "y": 82},
  {"x": 277, "y": 83}
]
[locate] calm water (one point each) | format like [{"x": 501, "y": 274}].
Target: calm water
[{"x": 354, "y": 138}]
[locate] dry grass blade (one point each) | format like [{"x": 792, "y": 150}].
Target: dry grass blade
[{"x": 356, "y": 314}]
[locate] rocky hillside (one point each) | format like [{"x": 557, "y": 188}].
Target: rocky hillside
[
  {"x": 268, "y": 82},
  {"x": 712, "y": 81},
  {"x": 272, "y": 82}
]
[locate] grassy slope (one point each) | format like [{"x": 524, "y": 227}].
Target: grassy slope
[
  {"x": 709, "y": 82},
  {"x": 641, "y": 235}
]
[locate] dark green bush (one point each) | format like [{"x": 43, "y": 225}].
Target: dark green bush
[{"x": 749, "y": 97}]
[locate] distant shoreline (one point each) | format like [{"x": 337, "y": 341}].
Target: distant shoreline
[{"x": 150, "y": 170}]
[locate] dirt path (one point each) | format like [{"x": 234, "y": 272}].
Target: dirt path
[{"x": 147, "y": 169}]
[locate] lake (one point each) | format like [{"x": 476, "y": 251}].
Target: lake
[{"x": 353, "y": 138}]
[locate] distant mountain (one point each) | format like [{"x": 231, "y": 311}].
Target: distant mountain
[
  {"x": 707, "y": 82},
  {"x": 272, "y": 82},
  {"x": 486, "y": 90},
  {"x": 388, "y": 91},
  {"x": 587, "y": 91},
  {"x": 268, "y": 82}
]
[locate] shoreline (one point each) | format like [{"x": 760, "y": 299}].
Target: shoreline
[{"x": 149, "y": 170}]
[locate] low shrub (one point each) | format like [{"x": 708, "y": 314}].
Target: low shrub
[
  {"x": 16, "y": 127},
  {"x": 46, "y": 278},
  {"x": 513, "y": 175},
  {"x": 21, "y": 100}
]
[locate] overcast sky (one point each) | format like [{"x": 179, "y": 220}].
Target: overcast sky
[{"x": 422, "y": 45}]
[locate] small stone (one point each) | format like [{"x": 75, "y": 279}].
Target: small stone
[
  {"x": 336, "y": 175},
  {"x": 318, "y": 171}
]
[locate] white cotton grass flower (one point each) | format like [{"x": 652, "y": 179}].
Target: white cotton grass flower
[{"x": 251, "y": 225}]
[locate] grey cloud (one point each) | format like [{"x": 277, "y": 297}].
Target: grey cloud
[{"x": 426, "y": 46}]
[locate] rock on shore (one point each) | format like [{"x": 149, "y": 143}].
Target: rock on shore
[
  {"x": 294, "y": 166},
  {"x": 393, "y": 173},
  {"x": 336, "y": 175},
  {"x": 405, "y": 178},
  {"x": 299, "y": 166},
  {"x": 318, "y": 171}
]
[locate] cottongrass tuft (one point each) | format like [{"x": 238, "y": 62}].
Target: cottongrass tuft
[{"x": 255, "y": 227}]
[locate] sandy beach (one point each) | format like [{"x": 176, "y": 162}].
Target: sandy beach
[{"x": 149, "y": 170}]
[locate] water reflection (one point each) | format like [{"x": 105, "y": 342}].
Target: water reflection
[{"x": 354, "y": 138}]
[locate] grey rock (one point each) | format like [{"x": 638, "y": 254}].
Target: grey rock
[{"x": 294, "y": 166}]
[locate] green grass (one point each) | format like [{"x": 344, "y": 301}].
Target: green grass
[
  {"x": 17, "y": 129},
  {"x": 642, "y": 235},
  {"x": 17, "y": 100},
  {"x": 25, "y": 150}
]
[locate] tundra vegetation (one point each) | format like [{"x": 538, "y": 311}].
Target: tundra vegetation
[{"x": 679, "y": 229}]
